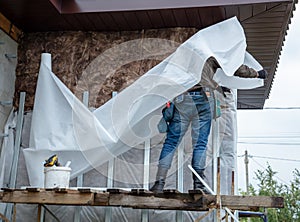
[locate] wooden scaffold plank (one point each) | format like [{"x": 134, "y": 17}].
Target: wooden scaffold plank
[
  {"x": 57, "y": 197},
  {"x": 141, "y": 199}
]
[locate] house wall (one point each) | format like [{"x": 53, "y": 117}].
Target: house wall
[
  {"x": 74, "y": 52},
  {"x": 76, "y": 57},
  {"x": 7, "y": 76},
  {"x": 76, "y": 60}
]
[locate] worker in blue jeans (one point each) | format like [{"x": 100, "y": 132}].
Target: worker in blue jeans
[{"x": 192, "y": 108}]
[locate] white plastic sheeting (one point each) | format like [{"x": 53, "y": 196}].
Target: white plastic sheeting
[
  {"x": 6, "y": 155},
  {"x": 62, "y": 124},
  {"x": 8, "y": 62},
  {"x": 223, "y": 143}
]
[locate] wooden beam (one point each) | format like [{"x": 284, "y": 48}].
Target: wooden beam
[
  {"x": 71, "y": 197},
  {"x": 162, "y": 202},
  {"x": 141, "y": 199},
  {"x": 251, "y": 202},
  {"x": 9, "y": 28},
  {"x": 2, "y": 217}
]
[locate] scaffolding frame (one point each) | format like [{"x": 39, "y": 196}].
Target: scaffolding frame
[{"x": 136, "y": 198}]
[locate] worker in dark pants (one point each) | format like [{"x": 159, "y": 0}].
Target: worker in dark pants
[{"x": 193, "y": 107}]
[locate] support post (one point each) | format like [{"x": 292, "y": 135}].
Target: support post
[
  {"x": 232, "y": 182},
  {"x": 110, "y": 180},
  {"x": 39, "y": 213},
  {"x": 110, "y": 176},
  {"x": 232, "y": 187},
  {"x": 215, "y": 154},
  {"x": 179, "y": 215},
  {"x": 14, "y": 218},
  {"x": 145, "y": 212},
  {"x": 79, "y": 182},
  {"x": 14, "y": 168},
  {"x": 211, "y": 191},
  {"x": 247, "y": 171},
  {"x": 218, "y": 190},
  {"x": 19, "y": 126}
]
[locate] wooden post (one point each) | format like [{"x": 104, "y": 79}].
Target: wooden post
[
  {"x": 14, "y": 213},
  {"x": 39, "y": 213},
  {"x": 232, "y": 183}
]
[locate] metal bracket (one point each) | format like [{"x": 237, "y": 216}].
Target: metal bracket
[
  {"x": 10, "y": 56},
  {"x": 5, "y": 103}
]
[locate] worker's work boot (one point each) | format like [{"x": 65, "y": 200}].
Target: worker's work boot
[
  {"x": 160, "y": 180},
  {"x": 198, "y": 185}
]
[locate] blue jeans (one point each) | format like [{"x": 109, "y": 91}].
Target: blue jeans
[{"x": 191, "y": 109}]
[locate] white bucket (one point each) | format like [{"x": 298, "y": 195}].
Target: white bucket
[{"x": 57, "y": 177}]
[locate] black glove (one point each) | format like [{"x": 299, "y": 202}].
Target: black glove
[
  {"x": 225, "y": 89},
  {"x": 222, "y": 90},
  {"x": 262, "y": 74}
]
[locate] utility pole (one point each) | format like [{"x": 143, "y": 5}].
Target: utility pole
[{"x": 247, "y": 171}]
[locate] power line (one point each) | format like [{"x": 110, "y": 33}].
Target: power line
[
  {"x": 281, "y": 135},
  {"x": 267, "y": 137},
  {"x": 278, "y": 108},
  {"x": 271, "y": 158},
  {"x": 283, "y": 108},
  {"x": 271, "y": 143},
  {"x": 264, "y": 168},
  {"x": 276, "y": 158}
]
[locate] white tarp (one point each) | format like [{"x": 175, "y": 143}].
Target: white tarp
[
  {"x": 61, "y": 124},
  {"x": 6, "y": 155}
]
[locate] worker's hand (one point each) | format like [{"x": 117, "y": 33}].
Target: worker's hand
[{"x": 262, "y": 74}]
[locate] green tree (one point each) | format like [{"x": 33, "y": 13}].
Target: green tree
[{"x": 269, "y": 186}]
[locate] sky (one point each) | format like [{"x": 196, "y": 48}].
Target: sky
[{"x": 272, "y": 135}]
